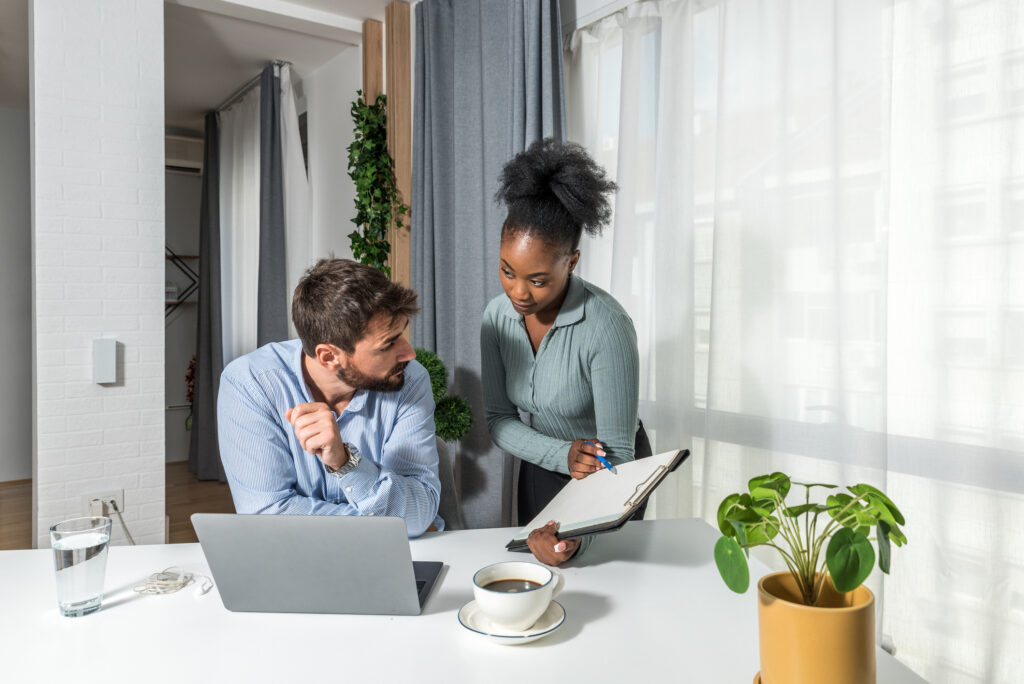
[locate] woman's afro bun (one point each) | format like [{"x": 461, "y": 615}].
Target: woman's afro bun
[{"x": 555, "y": 191}]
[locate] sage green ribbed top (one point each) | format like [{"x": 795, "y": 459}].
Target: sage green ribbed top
[{"x": 583, "y": 382}]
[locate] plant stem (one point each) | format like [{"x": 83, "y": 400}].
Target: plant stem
[{"x": 803, "y": 570}]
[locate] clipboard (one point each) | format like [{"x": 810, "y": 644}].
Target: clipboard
[{"x": 603, "y": 501}]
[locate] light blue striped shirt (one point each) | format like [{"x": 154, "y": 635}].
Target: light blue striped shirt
[{"x": 268, "y": 471}]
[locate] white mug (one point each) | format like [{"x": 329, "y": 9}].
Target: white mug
[{"x": 515, "y": 594}]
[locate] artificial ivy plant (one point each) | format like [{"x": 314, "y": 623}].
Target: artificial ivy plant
[
  {"x": 372, "y": 170},
  {"x": 377, "y": 205}
]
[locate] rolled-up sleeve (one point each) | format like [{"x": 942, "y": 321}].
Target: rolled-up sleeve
[{"x": 405, "y": 482}]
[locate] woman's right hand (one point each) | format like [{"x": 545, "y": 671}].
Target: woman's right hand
[{"x": 582, "y": 459}]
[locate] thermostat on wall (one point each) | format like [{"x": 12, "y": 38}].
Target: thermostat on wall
[{"x": 104, "y": 361}]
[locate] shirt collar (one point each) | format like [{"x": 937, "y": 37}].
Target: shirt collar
[
  {"x": 355, "y": 404},
  {"x": 572, "y": 306}
]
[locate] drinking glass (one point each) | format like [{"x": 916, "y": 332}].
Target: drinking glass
[{"x": 80, "y": 560}]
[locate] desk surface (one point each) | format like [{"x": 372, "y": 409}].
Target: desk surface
[{"x": 645, "y": 605}]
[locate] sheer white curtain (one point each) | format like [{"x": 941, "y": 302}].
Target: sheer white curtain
[
  {"x": 240, "y": 211},
  {"x": 240, "y": 222},
  {"x": 819, "y": 234}
]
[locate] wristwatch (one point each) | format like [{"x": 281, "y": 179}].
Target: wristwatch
[{"x": 353, "y": 461}]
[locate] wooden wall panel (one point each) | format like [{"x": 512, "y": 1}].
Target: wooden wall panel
[
  {"x": 399, "y": 90},
  {"x": 373, "y": 60}
]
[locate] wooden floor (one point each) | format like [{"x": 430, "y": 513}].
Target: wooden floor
[
  {"x": 185, "y": 495},
  {"x": 16, "y": 514}
]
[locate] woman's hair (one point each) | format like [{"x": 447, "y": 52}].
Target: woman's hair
[{"x": 555, "y": 191}]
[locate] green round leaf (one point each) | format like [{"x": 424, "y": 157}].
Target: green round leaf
[
  {"x": 849, "y": 558},
  {"x": 768, "y": 486},
  {"x": 763, "y": 532},
  {"x": 884, "y": 550},
  {"x": 741, "y": 535},
  {"x": 732, "y": 565},
  {"x": 885, "y": 500},
  {"x": 723, "y": 509}
]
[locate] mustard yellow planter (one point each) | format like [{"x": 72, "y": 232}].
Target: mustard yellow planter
[{"x": 831, "y": 642}]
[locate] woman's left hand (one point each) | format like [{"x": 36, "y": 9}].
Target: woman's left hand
[{"x": 548, "y": 548}]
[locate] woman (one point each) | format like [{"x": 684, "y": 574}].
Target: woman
[{"x": 555, "y": 346}]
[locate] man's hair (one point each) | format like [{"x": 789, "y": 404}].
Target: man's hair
[
  {"x": 336, "y": 298},
  {"x": 555, "y": 191}
]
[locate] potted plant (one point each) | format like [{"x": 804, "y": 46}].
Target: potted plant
[
  {"x": 452, "y": 415},
  {"x": 817, "y": 621},
  {"x": 452, "y": 419}
]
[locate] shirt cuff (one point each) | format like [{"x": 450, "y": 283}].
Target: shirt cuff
[
  {"x": 358, "y": 483},
  {"x": 585, "y": 543},
  {"x": 557, "y": 459}
]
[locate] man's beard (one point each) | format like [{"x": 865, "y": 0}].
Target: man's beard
[{"x": 356, "y": 379}]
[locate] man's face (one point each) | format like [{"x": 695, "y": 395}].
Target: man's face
[{"x": 380, "y": 357}]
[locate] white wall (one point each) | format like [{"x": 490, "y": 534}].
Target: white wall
[
  {"x": 183, "y": 196},
  {"x": 330, "y": 91},
  {"x": 97, "y": 116},
  {"x": 15, "y": 297}
]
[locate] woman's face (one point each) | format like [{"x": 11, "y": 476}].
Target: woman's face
[{"x": 533, "y": 272}]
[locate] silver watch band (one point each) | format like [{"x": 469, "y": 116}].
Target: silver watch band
[{"x": 353, "y": 461}]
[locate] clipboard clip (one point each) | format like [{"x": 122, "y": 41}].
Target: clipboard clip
[{"x": 641, "y": 489}]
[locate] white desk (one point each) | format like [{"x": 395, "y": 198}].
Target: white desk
[{"x": 645, "y": 605}]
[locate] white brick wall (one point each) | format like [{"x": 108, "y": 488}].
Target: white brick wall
[{"x": 98, "y": 257}]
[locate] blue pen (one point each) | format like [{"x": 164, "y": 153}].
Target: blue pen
[{"x": 602, "y": 459}]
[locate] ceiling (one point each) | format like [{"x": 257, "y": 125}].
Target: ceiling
[{"x": 212, "y": 47}]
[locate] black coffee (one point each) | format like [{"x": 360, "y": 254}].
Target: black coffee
[{"x": 512, "y": 586}]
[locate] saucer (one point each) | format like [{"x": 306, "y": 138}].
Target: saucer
[{"x": 473, "y": 619}]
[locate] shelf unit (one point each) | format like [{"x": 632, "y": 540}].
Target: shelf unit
[{"x": 180, "y": 261}]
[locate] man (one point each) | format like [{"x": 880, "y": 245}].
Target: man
[{"x": 339, "y": 421}]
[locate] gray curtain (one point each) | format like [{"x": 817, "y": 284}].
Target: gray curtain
[
  {"x": 203, "y": 453},
  {"x": 488, "y": 83},
  {"x": 272, "y": 314}
]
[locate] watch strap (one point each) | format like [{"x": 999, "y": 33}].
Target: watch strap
[{"x": 353, "y": 461}]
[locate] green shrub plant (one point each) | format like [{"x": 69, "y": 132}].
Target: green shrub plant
[{"x": 452, "y": 415}]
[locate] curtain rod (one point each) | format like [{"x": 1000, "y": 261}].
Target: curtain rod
[{"x": 249, "y": 85}]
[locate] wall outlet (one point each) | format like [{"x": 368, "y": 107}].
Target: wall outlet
[{"x": 98, "y": 503}]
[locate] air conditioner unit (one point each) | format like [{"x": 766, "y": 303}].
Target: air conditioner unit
[{"x": 184, "y": 155}]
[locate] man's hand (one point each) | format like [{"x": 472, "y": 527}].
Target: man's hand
[
  {"x": 318, "y": 433},
  {"x": 582, "y": 461},
  {"x": 548, "y": 548}
]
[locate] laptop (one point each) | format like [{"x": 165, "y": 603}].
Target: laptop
[{"x": 314, "y": 564}]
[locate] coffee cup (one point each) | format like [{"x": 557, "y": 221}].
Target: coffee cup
[{"x": 515, "y": 594}]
